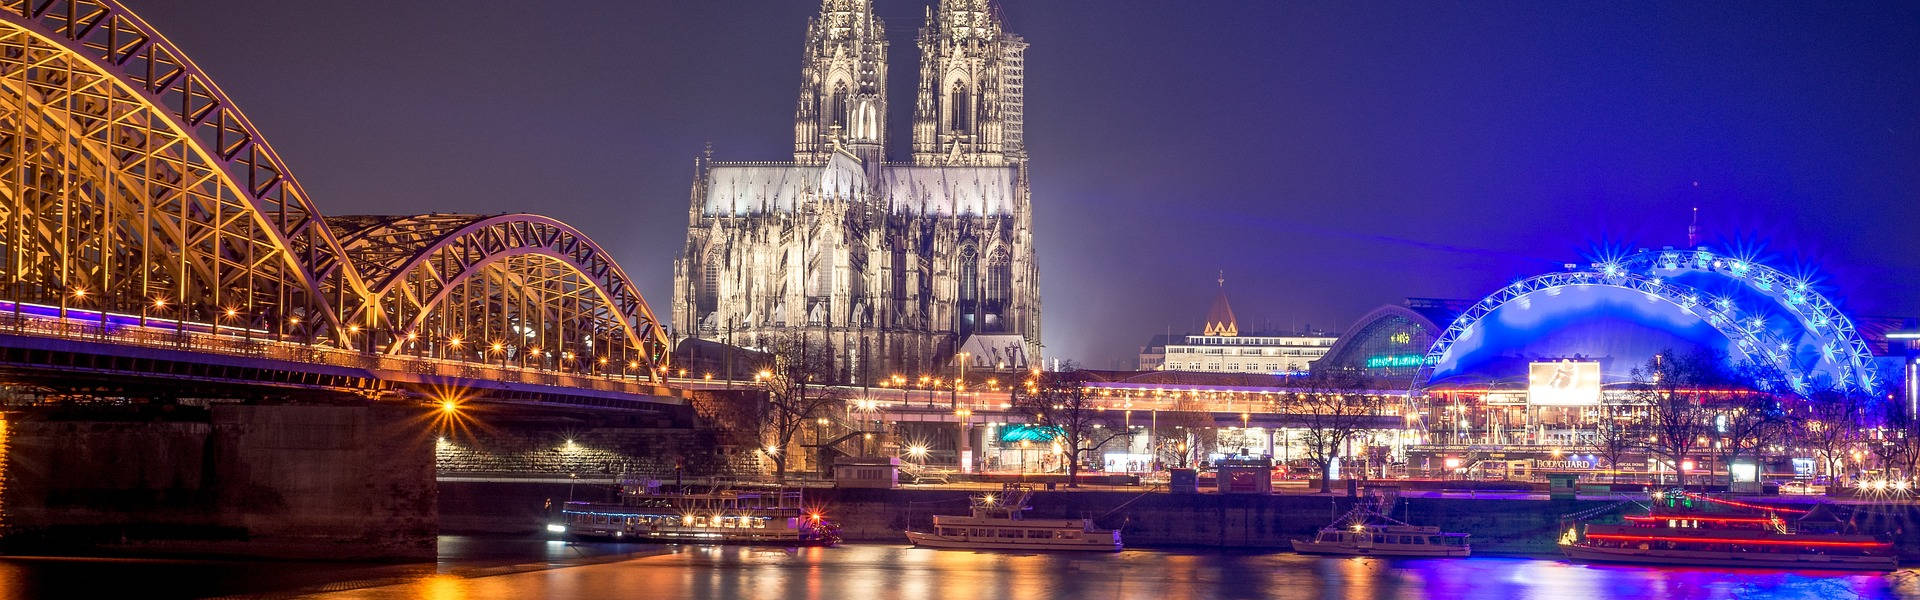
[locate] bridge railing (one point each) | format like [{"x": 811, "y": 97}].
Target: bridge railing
[{"x": 246, "y": 344}]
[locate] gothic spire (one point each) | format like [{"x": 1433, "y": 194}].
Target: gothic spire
[
  {"x": 971, "y": 105},
  {"x": 843, "y": 85},
  {"x": 1220, "y": 319}
]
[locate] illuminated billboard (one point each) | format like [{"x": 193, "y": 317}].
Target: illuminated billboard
[
  {"x": 1388, "y": 361},
  {"x": 1563, "y": 383}
]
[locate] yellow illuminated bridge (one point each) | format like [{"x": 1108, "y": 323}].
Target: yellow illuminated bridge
[{"x": 142, "y": 216}]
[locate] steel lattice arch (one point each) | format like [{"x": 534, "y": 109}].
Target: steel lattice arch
[
  {"x": 1768, "y": 317},
  {"x": 134, "y": 187}
]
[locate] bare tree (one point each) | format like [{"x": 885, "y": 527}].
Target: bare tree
[
  {"x": 1060, "y": 401},
  {"x": 1907, "y": 432},
  {"x": 1889, "y": 450},
  {"x": 797, "y": 393},
  {"x": 1614, "y": 436},
  {"x": 1171, "y": 429},
  {"x": 1335, "y": 407},
  {"x": 1829, "y": 425},
  {"x": 1673, "y": 392},
  {"x": 1754, "y": 419}
]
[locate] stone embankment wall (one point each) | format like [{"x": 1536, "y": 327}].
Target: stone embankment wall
[
  {"x": 325, "y": 482},
  {"x": 1146, "y": 520},
  {"x": 1159, "y": 519},
  {"x": 534, "y": 450}
]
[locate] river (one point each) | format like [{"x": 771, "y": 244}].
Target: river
[{"x": 486, "y": 569}]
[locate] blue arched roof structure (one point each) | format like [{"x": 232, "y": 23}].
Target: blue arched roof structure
[{"x": 1620, "y": 312}]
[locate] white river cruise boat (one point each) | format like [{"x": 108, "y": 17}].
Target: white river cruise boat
[
  {"x": 1365, "y": 532},
  {"x": 714, "y": 515},
  {"x": 998, "y": 523}
]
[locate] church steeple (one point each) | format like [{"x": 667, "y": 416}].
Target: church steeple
[
  {"x": 971, "y": 104},
  {"x": 1220, "y": 319},
  {"x": 843, "y": 85}
]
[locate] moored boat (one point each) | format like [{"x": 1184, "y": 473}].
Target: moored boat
[
  {"x": 716, "y": 514},
  {"x": 1695, "y": 529},
  {"x": 998, "y": 522},
  {"x": 1372, "y": 539},
  {"x": 1366, "y": 530}
]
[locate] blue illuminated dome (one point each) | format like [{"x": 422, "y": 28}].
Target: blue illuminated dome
[{"x": 1619, "y": 313}]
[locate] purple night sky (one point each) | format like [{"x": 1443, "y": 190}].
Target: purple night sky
[{"x": 1330, "y": 156}]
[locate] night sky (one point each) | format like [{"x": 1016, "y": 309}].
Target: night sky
[{"x": 1330, "y": 156}]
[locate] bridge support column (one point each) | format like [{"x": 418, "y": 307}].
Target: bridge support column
[{"x": 312, "y": 482}]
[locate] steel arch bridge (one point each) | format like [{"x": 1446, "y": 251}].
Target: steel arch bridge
[
  {"x": 136, "y": 193},
  {"x": 1769, "y": 317}
]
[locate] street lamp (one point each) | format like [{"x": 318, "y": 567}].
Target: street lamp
[
  {"x": 959, "y": 381},
  {"x": 965, "y": 445}
]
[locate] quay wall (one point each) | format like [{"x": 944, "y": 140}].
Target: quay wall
[
  {"x": 1242, "y": 522},
  {"x": 1500, "y": 526}
]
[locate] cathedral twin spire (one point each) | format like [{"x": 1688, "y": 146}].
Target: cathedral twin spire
[
  {"x": 969, "y": 108},
  {"x": 843, "y": 89}
]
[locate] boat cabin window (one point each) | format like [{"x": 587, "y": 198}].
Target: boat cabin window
[{"x": 1009, "y": 533}]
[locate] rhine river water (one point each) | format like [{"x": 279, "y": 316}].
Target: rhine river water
[{"x": 516, "y": 570}]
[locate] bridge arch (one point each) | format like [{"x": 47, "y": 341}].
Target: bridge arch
[
  {"x": 212, "y": 193},
  {"x": 135, "y": 186},
  {"x": 1766, "y": 316},
  {"x": 417, "y": 265}
]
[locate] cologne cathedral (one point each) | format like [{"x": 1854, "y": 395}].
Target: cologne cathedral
[{"x": 894, "y": 267}]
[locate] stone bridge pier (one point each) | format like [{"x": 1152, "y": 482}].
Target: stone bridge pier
[{"x": 335, "y": 482}]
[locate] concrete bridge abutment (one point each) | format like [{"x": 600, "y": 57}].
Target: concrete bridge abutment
[{"x": 334, "y": 482}]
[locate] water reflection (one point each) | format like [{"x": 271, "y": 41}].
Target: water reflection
[
  {"x": 6, "y": 439},
  {"x": 871, "y": 572}
]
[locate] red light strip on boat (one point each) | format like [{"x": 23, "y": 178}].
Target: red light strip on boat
[
  {"x": 1743, "y": 504},
  {"x": 1658, "y": 538},
  {"x": 1708, "y": 519}
]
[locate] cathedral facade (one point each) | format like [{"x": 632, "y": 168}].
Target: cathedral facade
[{"x": 892, "y": 267}]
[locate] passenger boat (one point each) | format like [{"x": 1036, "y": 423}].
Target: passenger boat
[
  {"x": 1366, "y": 532},
  {"x": 998, "y": 523},
  {"x": 717, "y": 514},
  {"x": 1686, "y": 528}
]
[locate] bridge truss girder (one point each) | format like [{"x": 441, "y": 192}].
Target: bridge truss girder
[{"x": 129, "y": 183}]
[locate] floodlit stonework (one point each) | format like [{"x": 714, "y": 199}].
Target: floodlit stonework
[{"x": 893, "y": 268}]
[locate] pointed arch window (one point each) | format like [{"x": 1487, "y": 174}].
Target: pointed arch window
[
  {"x": 999, "y": 292},
  {"x": 710, "y": 283},
  {"x": 969, "y": 275},
  {"x": 968, "y": 279},
  {"x": 837, "y": 106},
  {"x": 961, "y": 108}
]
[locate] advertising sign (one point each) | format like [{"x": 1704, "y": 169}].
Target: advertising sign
[
  {"x": 1563, "y": 383},
  {"x": 1388, "y": 361}
]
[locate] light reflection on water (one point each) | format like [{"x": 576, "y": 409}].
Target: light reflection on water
[
  {"x": 6, "y": 437},
  {"x": 872, "y": 572}
]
